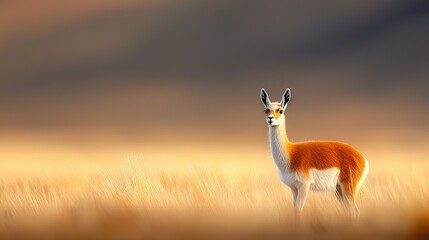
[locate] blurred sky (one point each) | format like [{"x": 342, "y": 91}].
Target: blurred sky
[{"x": 189, "y": 72}]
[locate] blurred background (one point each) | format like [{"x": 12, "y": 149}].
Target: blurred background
[{"x": 181, "y": 79}]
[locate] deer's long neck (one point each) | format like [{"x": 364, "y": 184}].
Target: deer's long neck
[{"x": 278, "y": 145}]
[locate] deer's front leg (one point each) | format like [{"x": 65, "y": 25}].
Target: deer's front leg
[
  {"x": 301, "y": 196},
  {"x": 295, "y": 196}
]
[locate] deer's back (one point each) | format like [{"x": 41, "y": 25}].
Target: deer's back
[{"x": 323, "y": 155}]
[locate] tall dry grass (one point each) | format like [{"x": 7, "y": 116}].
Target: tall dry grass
[{"x": 138, "y": 199}]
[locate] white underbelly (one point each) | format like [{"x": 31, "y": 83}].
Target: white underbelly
[
  {"x": 319, "y": 180},
  {"x": 324, "y": 180}
]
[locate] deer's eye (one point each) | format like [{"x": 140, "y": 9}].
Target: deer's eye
[
  {"x": 267, "y": 111},
  {"x": 281, "y": 111}
]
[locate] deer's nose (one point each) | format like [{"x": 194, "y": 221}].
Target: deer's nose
[{"x": 270, "y": 117}]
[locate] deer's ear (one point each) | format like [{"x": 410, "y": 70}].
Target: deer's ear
[
  {"x": 285, "y": 98},
  {"x": 264, "y": 98}
]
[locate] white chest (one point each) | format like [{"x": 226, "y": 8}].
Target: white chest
[{"x": 289, "y": 178}]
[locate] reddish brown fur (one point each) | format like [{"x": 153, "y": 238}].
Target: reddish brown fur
[{"x": 324, "y": 155}]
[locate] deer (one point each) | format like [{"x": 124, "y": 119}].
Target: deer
[{"x": 326, "y": 166}]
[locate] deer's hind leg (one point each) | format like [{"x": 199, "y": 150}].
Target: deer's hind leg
[
  {"x": 339, "y": 192},
  {"x": 348, "y": 195}
]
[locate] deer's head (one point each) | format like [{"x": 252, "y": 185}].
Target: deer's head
[{"x": 274, "y": 111}]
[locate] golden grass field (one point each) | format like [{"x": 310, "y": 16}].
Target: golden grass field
[{"x": 136, "y": 199}]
